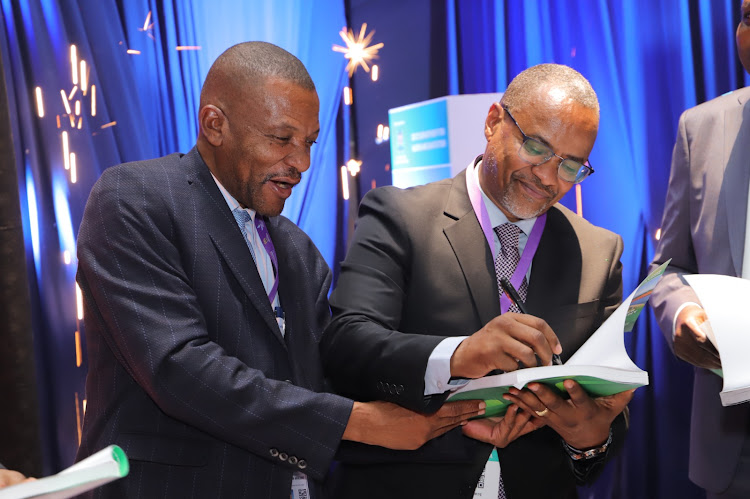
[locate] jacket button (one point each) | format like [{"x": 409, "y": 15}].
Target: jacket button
[
  {"x": 302, "y": 464},
  {"x": 274, "y": 452},
  {"x": 292, "y": 459},
  {"x": 283, "y": 456}
]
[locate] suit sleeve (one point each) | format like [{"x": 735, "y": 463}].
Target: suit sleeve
[
  {"x": 140, "y": 299},
  {"x": 676, "y": 239},
  {"x": 365, "y": 355}
]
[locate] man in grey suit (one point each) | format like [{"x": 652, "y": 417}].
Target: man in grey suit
[
  {"x": 705, "y": 230},
  {"x": 204, "y": 307},
  {"x": 417, "y": 306}
]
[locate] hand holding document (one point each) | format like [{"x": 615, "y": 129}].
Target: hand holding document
[
  {"x": 106, "y": 465},
  {"x": 725, "y": 300},
  {"x": 601, "y": 366}
]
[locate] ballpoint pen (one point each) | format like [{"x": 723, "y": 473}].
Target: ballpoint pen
[{"x": 510, "y": 290}]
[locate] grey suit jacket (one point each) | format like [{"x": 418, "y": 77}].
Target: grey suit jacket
[
  {"x": 419, "y": 270},
  {"x": 703, "y": 231},
  {"x": 188, "y": 371}
]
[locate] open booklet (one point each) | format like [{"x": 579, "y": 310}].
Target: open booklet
[
  {"x": 724, "y": 299},
  {"x": 106, "y": 465},
  {"x": 601, "y": 366}
]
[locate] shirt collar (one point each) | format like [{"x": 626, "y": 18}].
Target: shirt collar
[
  {"x": 497, "y": 217},
  {"x": 231, "y": 202}
]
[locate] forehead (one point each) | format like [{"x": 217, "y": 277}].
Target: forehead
[{"x": 279, "y": 102}]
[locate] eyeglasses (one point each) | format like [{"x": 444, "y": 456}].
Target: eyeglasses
[{"x": 536, "y": 153}]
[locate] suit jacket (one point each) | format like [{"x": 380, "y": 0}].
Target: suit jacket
[
  {"x": 188, "y": 370},
  {"x": 419, "y": 270},
  {"x": 703, "y": 231}
]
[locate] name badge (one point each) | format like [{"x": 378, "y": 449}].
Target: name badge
[
  {"x": 300, "y": 488},
  {"x": 488, "y": 486}
]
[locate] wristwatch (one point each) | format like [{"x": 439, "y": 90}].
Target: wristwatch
[{"x": 580, "y": 455}]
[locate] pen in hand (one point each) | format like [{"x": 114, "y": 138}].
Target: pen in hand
[{"x": 510, "y": 290}]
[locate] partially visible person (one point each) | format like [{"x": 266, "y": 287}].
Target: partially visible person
[
  {"x": 10, "y": 477},
  {"x": 705, "y": 230},
  {"x": 204, "y": 307},
  {"x": 417, "y": 306}
]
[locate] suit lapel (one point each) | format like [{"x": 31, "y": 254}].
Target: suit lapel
[
  {"x": 226, "y": 235},
  {"x": 737, "y": 177},
  {"x": 472, "y": 252}
]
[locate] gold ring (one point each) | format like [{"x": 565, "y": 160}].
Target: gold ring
[{"x": 543, "y": 413}]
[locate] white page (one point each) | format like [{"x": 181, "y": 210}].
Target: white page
[{"x": 725, "y": 300}]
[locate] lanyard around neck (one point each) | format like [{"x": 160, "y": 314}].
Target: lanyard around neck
[{"x": 480, "y": 210}]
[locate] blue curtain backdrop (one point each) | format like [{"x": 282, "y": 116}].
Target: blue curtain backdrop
[
  {"x": 150, "y": 101},
  {"x": 648, "y": 61}
]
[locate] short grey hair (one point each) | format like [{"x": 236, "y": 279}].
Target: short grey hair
[{"x": 523, "y": 88}]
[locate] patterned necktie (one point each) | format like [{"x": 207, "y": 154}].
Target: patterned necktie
[
  {"x": 508, "y": 258},
  {"x": 243, "y": 217}
]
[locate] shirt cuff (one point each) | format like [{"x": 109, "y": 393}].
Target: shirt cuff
[
  {"x": 674, "y": 320},
  {"x": 438, "y": 372}
]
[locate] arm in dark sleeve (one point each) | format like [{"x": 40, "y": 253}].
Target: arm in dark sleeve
[{"x": 365, "y": 355}]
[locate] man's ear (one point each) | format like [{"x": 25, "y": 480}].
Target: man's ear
[
  {"x": 494, "y": 117},
  {"x": 212, "y": 121}
]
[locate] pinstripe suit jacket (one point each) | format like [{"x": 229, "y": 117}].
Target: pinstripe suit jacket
[
  {"x": 703, "y": 231},
  {"x": 188, "y": 371}
]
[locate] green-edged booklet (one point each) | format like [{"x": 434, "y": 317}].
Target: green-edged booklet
[{"x": 601, "y": 366}]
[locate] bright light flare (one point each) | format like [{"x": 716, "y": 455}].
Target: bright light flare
[
  {"x": 73, "y": 173},
  {"x": 187, "y": 47},
  {"x": 133, "y": 51},
  {"x": 84, "y": 78},
  {"x": 66, "y": 104},
  {"x": 74, "y": 64},
  {"x": 375, "y": 72},
  {"x": 357, "y": 50},
  {"x": 39, "y": 102},
  {"x": 78, "y": 108},
  {"x": 344, "y": 183},
  {"x": 353, "y": 166},
  {"x": 145, "y": 24},
  {"x": 79, "y": 302},
  {"x": 93, "y": 100},
  {"x": 66, "y": 257},
  {"x": 348, "y": 96},
  {"x": 386, "y": 133},
  {"x": 579, "y": 201},
  {"x": 657, "y": 236},
  {"x": 66, "y": 150},
  {"x": 72, "y": 92}
]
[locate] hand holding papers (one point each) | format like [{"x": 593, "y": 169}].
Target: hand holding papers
[
  {"x": 725, "y": 300},
  {"x": 106, "y": 465},
  {"x": 601, "y": 366}
]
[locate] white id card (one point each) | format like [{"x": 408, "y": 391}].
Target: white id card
[
  {"x": 300, "y": 489},
  {"x": 488, "y": 486}
]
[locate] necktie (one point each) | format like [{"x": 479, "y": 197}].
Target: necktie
[
  {"x": 507, "y": 259},
  {"x": 243, "y": 217}
]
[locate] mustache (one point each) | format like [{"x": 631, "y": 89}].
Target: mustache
[
  {"x": 290, "y": 173},
  {"x": 533, "y": 179}
]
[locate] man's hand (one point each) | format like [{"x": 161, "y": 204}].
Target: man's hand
[
  {"x": 502, "y": 343},
  {"x": 10, "y": 477},
  {"x": 389, "y": 425},
  {"x": 690, "y": 343},
  {"x": 582, "y": 421},
  {"x": 502, "y": 431}
]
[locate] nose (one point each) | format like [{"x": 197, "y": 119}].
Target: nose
[
  {"x": 299, "y": 158},
  {"x": 547, "y": 172}
]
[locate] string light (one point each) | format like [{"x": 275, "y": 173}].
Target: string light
[
  {"x": 348, "y": 97},
  {"x": 133, "y": 51},
  {"x": 73, "y": 180},
  {"x": 93, "y": 100},
  {"x": 107, "y": 125},
  {"x": 39, "y": 102},
  {"x": 375, "y": 72},
  {"x": 79, "y": 356},
  {"x": 66, "y": 104},
  {"x": 78, "y": 108},
  {"x": 72, "y": 92},
  {"x": 79, "y": 302},
  {"x": 188, "y": 47},
  {"x": 84, "y": 78}
]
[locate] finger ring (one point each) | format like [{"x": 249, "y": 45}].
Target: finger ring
[{"x": 543, "y": 413}]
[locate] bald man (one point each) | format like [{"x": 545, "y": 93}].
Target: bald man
[{"x": 204, "y": 306}]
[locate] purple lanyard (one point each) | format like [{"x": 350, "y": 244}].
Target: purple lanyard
[
  {"x": 260, "y": 227},
  {"x": 475, "y": 195}
]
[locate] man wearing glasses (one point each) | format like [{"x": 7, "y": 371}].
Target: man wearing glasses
[{"x": 418, "y": 310}]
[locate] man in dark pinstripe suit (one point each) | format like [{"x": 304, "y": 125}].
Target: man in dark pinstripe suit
[{"x": 204, "y": 307}]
